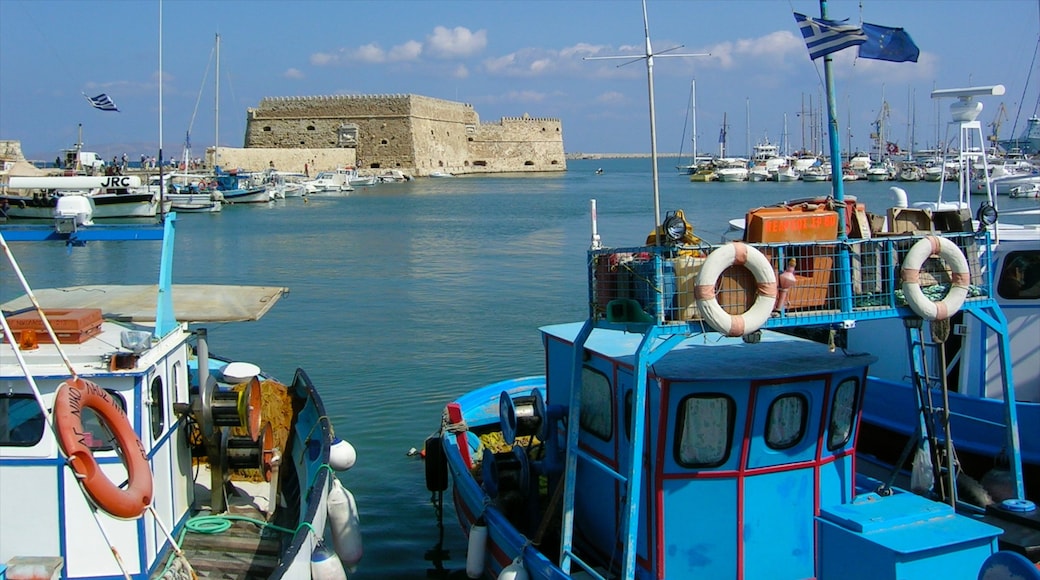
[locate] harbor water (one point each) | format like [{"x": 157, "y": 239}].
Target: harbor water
[{"x": 404, "y": 295}]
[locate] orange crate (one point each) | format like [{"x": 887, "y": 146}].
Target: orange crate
[{"x": 72, "y": 326}]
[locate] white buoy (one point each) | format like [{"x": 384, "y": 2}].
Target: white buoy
[
  {"x": 514, "y": 571},
  {"x": 342, "y": 455},
  {"x": 477, "y": 546},
  {"x": 345, "y": 525},
  {"x": 325, "y": 565}
]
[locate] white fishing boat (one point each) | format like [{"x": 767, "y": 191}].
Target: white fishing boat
[
  {"x": 113, "y": 196},
  {"x": 127, "y": 450}
]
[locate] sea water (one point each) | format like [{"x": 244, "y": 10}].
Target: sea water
[{"x": 404, "y": 295}]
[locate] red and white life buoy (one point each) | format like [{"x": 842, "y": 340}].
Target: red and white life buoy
[
  {"x": 736, "y": 254},
  {"x": 72, "y": 397},
  {"x": 960, "y": 278}
]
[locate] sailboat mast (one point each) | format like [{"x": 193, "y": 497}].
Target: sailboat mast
[
  {"x": 216, "y": 108},
  {"x": 693, "y": 107}
]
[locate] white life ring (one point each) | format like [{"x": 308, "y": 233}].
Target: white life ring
[
  {"x": 736, "y": 254},
  {"x": 960, "y": 278}
]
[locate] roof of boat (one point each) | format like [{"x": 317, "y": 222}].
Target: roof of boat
[
  {"x": 137, "y": 303},
  {"x": 776, "y": 356}
]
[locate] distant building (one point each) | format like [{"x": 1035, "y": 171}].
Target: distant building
[{"x": 412, "y": 133}]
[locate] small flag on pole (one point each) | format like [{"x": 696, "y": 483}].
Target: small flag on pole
[
  {"x": 823, "y": 37},
  {"x": 102, "y": 102},
  {"x": 891, "y": 44}
]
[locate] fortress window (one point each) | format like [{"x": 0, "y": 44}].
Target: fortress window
[
  {"x": 267, "y": 129},
  {"x": 480, "y": 163},
  {"x": 528, "y": 163},
  {"x": 470, "y": 139},
  {"x": 553, "y": 162},
  {"x": 384, "y": 142},
  {"x": 310, "y": 127}
]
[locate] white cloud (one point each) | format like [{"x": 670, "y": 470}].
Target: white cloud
[
  {"x": 460, "y": 72},
  {"x": 612, "y": 98},
  {"x": 294, "y": 73},
  {"x": 323, "y": 59},
  {"x": 410, "y": 50},
  {"x": 369, "y": 53},
  {"x": 456, "y": 42}
]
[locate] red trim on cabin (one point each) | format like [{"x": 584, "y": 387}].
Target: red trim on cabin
[{"x": 455, "y": 416}]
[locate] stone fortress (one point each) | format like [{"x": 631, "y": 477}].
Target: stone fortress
[{"x": 411, "y": 133}]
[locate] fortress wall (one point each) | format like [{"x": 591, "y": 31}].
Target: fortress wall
[
  {"x": 309, "y": 161},
  {"x": 518, "y": 144},
  {"x": 413, "y": 133}
]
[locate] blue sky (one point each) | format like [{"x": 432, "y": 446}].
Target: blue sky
[{"x": 506, "y": 58}]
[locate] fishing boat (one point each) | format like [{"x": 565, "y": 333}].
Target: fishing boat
[
  {"x": 676, "y": 433},
  {"x": 961, "y": 352},
  {"x": 127, "y": 450},
  {"x": 112, "y": 196}
]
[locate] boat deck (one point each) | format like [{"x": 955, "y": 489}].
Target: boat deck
[
  {"x": 243, "y": 550},
  {"x": 659, "y": 283}
]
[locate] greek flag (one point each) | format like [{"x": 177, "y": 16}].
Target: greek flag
[
  {"x": 102, "y": 102},
  {"x": 823, "y": 37}
]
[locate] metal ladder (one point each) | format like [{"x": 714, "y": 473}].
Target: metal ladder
[{"x": 656, "y": 342}]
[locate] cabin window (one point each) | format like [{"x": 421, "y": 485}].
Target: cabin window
[
  {"x": 595, "y": 404},
  {"x": 95, "y": 435},
  {"x": 1020, "y": 276},
  {"x": 843, "y": 411},
  {"x": 156, "y": 408},
  {"x": 785, "y": 422},
  {"x": 21, "y": 421},
  {"x": 705, "y": 430}
]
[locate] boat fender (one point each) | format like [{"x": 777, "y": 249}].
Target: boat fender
[
  {"x": 325, "y": 565},
  {"x": 436, "y": 464},
  {"x": 72, "y": 397},
  {"x": 342, "y": 455},
  {"x": 514, "y": 571},
  {"x": 736, "y": 254},
  {"x": 345, "y": 525},
  {"x": 959, "y": 278},
  {"x": 478, "y": 535}
]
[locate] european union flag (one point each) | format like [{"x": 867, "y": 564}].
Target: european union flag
[
  {"x": 823, "y": 37},
  {"x": 891, "y": 44},
  {"x": 102, "y": 102}
]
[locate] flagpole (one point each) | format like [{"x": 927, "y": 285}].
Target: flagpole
[
  {"x": 162, "y": 184},
  {"x": 837, "y": 183}
]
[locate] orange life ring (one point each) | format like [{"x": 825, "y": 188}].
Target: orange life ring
[{"x": 72, "y": 397}]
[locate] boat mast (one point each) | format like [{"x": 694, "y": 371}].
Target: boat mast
[
  {"x": 216, "y": 107},
  {"x": 649, "y": 58},
  {"x": 693, "y": 108}
]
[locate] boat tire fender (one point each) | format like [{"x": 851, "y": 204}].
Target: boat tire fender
[
  {"x": 736, "y": 254},
  {"x": 72, "y": 397},
  {"x": 960, "y": 278},
  {"x": 436, "y": 464}
]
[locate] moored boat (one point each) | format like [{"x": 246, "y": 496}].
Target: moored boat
[
  {"x": 674, "y": 434},
  {"x": 224, "y": 469}
]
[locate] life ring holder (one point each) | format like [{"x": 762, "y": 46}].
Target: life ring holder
[
  {"x": 74, "y": 395},
  {"x": 736, "y": 254},
  {"x": 960, "y": 277}
]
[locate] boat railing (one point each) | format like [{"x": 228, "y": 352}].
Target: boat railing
[{"x": 834, "y": 282}]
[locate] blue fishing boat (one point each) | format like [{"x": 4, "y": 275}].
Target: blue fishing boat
[
  {"x": 127, "y": 450},
  {"x": 681, "y": 431}
]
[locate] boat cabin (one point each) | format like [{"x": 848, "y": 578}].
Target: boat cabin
[{"x": 749, "y": 453}]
